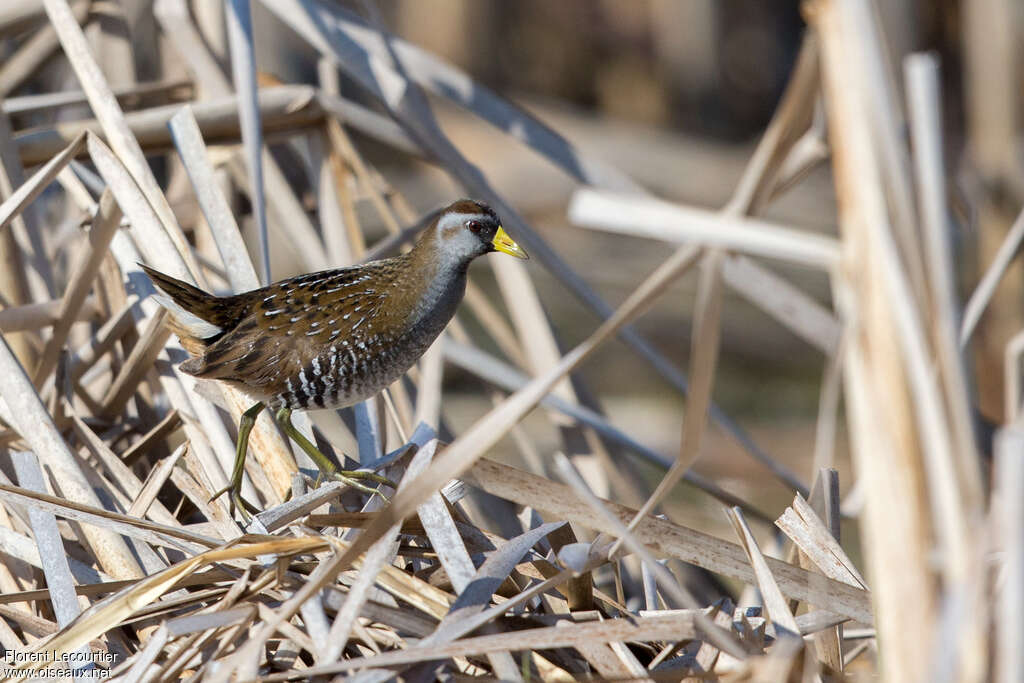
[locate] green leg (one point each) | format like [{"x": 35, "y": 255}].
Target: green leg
[
  {"x": 241, "y": 447},
  {"x": 327, "y": 468}
]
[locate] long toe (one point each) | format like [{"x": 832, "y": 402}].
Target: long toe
[
  {"x": 247, "y": 509},
  {"x": 236, "y": 502},
  {"x": 358, "y": 485},
  {"x": 368, "y": 476}
]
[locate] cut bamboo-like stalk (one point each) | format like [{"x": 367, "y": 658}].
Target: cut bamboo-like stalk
[
  {"x": 243, "y": 68},
  {"x": 39, "y": 315},
  {"x": 283, "y": 109},
  {"x": 922, "y": 78},
  {"x": 1010, "y": 524},
  {"x": 172, "y": 90},
  {"x": 775, "y": 603},
  {"x": 59, "y": 580},
  {"x": 885, "y": 446},
  {"x": 662, "y": 220}
]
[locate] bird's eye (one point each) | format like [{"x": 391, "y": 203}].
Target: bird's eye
[{"x": 474, "y": 226}]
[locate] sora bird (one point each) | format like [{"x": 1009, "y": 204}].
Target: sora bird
[{"x": 334, "y": 338}]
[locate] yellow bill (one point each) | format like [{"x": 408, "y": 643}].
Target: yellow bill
[{"x": 505, "y": 244}]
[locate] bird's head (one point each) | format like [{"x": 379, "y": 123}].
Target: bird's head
[{"x": 467, "y": 229}]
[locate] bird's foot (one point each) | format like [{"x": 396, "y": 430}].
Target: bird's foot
[
  {"x": 352, "y": 477},
  {"x": 237, "y": 502}
]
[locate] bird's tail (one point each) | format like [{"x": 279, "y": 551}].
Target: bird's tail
[{"x": 198, "y": 318}]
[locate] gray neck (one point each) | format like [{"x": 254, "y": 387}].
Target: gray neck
[{"x": 439, "y": 302}]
